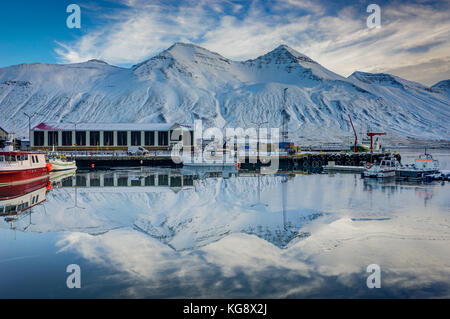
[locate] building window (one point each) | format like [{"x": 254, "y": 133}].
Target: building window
[
  {"x": 163, "y": 180},
  {"x": 135, "y": 182},
  {"x": 67, "y": 182},
  {"x": 163, "y": 138},
  {"x": 149, "y": 138},
  {"x": 80, "y": 138},
  {"x": 52, "y": 138},
  {"x": 175, "y": 181},
  {"x": 136, "y": 138},
  {"x": 81, "y": 180},
  {"x": 122, "y": 181},
  {"x": 38, "y": 138},
  {"x": 94, "y": 181},
  {"x": 108, "y": 138},
  {"x": 188, "y": 180},
  {"x": 108, "y": 181},
  {"x": 122, "y": 138},
  {"x": 66, "y": 138},
  {"x": 150, "y": 180},
  {"x": 94, "y": 138}
]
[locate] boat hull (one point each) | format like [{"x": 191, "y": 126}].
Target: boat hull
[
  {"x": 63, "y": 167},
  {"x": 18, "y": 176},
  {"x": 414, "y": 173},
  {"x": 379, "y": 174},
  {"x": 15, "y": 190}
]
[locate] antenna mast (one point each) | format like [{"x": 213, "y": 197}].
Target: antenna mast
[{"x": 284, "y": 116}]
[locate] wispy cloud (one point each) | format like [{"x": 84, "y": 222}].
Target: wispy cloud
[{"x": 413, "y": 35}]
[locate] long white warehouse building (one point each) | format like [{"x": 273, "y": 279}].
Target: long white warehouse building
[{"x": 105, "y": 136}]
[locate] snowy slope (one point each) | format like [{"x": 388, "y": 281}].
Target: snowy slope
[
  {"x": 183, "y": 220},
  {"x": 187, "y": 82}
]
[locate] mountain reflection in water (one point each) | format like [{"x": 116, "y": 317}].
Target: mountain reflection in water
[{"x": 156, "y": 232}]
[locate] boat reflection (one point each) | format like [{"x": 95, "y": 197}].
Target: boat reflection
[
  {"x": 175, "y": 206},
  {"x": 17, "y": 201},
  {"x": 191, "y": 208}
]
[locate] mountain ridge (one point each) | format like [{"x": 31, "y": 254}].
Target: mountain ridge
[{"x": 186, "y": 82}]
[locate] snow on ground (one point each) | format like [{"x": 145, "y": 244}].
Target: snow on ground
[{"x": 186, "y": 82}]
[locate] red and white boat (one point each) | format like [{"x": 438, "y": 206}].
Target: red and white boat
[
  {"x": 386, "y": 168},
  {"x": 20, "y": 167}
]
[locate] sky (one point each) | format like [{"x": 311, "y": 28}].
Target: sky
[{"x": 413, "y": 40}]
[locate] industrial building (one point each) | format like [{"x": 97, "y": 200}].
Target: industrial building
[
  {"x": 106, "y": 136},
  {"x": 3, "y": 134}
]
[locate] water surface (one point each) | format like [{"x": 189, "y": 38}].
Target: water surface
[{"x": 165, "y": 233}]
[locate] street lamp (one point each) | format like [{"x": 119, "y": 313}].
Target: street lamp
[
  {"x": 29, "y": 122},
  {"x": 259, "y": 203}
]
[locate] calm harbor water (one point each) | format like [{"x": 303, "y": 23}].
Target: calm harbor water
[{"x": 166, "y": 233}]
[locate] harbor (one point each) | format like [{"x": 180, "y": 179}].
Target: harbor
[
  {"x": 110, "y": 203},
  {"x": 176, "y": 218}
]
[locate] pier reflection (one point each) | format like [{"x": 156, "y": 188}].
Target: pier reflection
[
  {"x": 204, "y": 205},
  {"x": 169, "y": 228},
  {"x": 129, "y": 178},
  {"x": 190, "y": 208}
]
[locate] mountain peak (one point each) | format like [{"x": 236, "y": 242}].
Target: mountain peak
[
  {"x": 290, "y": 53},
  {"x": 96, "y": 61},
  {"x": 177, "y": 45},
  {"x": 385, "y": 79},
  {"x": 445, "y": 84},
  {"x": 184, "y": 56},
  {"x": 181, "y": 50}
]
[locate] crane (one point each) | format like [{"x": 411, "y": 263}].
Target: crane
[{"x": 371, "y": 135}]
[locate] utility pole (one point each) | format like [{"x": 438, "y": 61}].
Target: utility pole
[
  {"x": 284, "y": 200},
  {"x": 284, "y": 117},
  {"x": 284, "y": 134},
  {"x": 29, "y": 123}
]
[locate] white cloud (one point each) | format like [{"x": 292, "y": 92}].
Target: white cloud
[{"x": 411, "y": 34}]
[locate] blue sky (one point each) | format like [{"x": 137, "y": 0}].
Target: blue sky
[{"x": 413, "y": 41}]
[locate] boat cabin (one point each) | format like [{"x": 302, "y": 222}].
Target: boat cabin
[
  {"x": 22, "y": 160},
  {"x": 426, "y": 162},
  {"x": 387, "y": 163},
  {"x": 18, "y": 205}
]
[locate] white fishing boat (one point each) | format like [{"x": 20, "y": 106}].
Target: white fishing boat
[
  {"x": 17, "y": 167},
  {"x": 424, "y": 165},
  {"x": 386, "y": 168},
  {"x": 60, "y": 162}
]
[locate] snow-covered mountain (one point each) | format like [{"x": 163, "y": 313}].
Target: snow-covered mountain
[
  {"x": 187, "y": 82},
  {"x": 186, "y": 219}
]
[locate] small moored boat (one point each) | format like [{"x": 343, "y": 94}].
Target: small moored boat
[
  {"x": 60, "y": 164},
  {"x": 423, "y": 165},
  {"x": 386, "y": 168}
]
